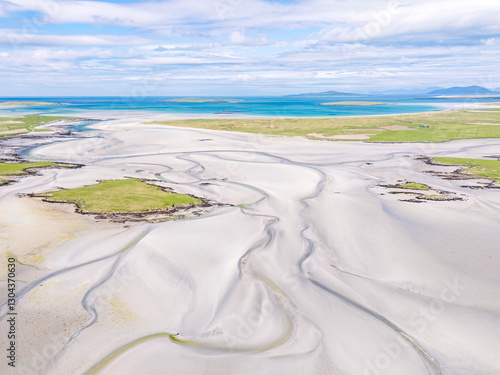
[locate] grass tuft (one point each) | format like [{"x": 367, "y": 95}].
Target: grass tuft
[{"x": 415, "y": 186}]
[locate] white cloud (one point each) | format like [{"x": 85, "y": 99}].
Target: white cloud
[
  {"x": 396, "y": 17},
  {"x": 490, "y": 41},
  {"x": 320, "y": 42},
  {"x": 243, "y": 77},
  {"x": 342, "y": 21},
  {"x": 237, "y": 37},
  {"x": 15, "y": 38},
  {"x": 416, "y": 19}
]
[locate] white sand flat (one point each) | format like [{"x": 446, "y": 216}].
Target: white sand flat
[
  {"x": 319, "y": 274},
  {"x": 354, "y": 137}
]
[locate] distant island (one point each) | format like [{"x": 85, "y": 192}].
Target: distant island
[
  {"x": 469, "y": 91},
  {"x": 326, "y": 93},
  {"x": 355, "y": 103},
  {"x": 15, "y": 103},
  {"x": 203, "y": 100},
  {"x": 414, "y": 91},
  {"x": 468, "y": 96}
]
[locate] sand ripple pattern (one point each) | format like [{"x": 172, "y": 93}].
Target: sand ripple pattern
[{"x": 313, "y": 270}]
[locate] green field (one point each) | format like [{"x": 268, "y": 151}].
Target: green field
[
  {"x": 129, "y": 195},
  {"x": 421, "y": 127},
  {"x": 17, "y": 169},
  {"x": 25, "y": 124},
  {"x": 478, "y": 167}
]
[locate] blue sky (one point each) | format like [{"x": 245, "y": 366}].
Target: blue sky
[{"x": 244, "y": 47}]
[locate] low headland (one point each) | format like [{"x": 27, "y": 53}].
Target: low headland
[
  {"x": 11, "y": 126},
  {"x": 12, "y": 172},
  {"x": 478, "y": 168},
  {"x": 440, "y": 126}
]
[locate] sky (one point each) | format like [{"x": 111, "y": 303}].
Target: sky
[{"x": 245, "y": 47}]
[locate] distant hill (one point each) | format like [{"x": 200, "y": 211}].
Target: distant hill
[
  {"x": 406, "y": 91},
  {"x": 433, "y": 88},
  {"x": 470, "y": 90},
  {"x": 326, "y": 93}
]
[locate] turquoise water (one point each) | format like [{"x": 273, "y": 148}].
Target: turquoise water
[{"x": 258, "y": 106}]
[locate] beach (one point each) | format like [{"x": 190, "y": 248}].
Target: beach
[{"x": 312, "y": 266}]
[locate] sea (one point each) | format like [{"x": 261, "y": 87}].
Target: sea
[{"x": 252, "y": 106}]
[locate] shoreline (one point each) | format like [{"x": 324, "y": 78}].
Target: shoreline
[
  {"x": 119, "y": 113},
  {"x": 112, "y": 115},
  {"x": 147, "y": 118},
  {"x": 115, "y": 114}
]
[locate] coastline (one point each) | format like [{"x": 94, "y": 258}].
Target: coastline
[
  {"x": 103, "y": 120},
  {"x": 107, "y": 115}
]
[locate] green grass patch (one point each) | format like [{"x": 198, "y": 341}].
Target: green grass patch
[
  {"x": 18, "y": 125},
  {"x": 415, "y": 186},
  {"x": 129, "y": 195},
  {"x": 16, "y": 169},
  {"x": 477, "y": 167},
  {"x": 423, "y": 127}
]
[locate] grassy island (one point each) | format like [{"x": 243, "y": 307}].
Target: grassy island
[
  {"x": 467, "y": 96},
  {"x": 17, "y": 103},
  {"x": 203, "y": 100},
  {"x": 355, "y": 103},
  {"x": 485, "y": 168},
  {"x": 131, "y": 195}
]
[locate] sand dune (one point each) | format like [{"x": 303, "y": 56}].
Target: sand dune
[{"x": 317, "y": 274}]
